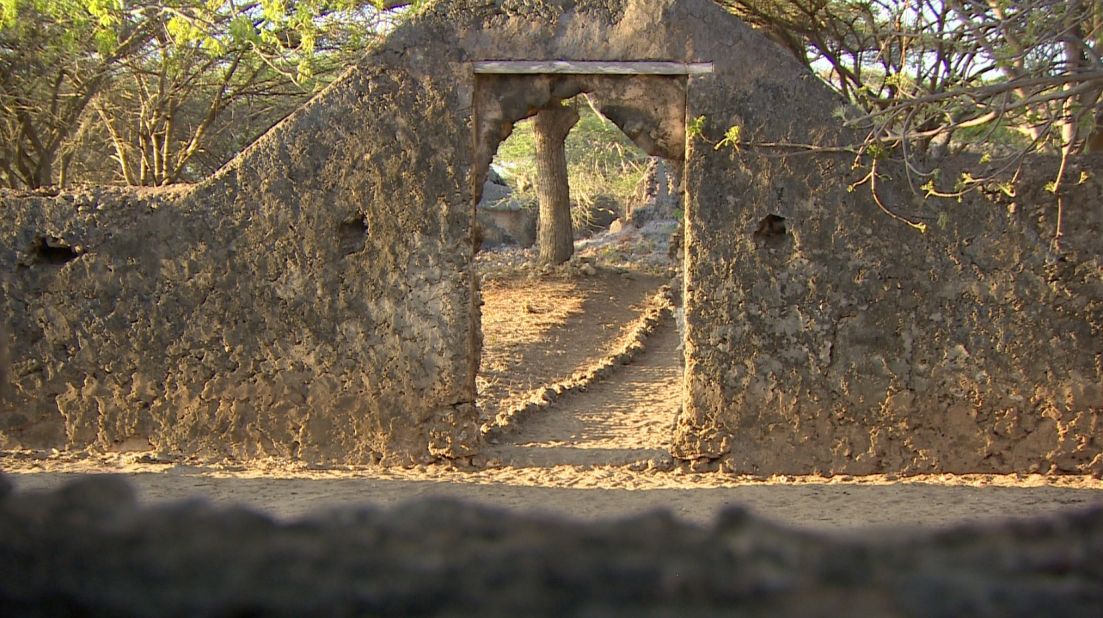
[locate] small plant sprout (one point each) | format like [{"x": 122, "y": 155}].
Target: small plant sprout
[
  {"x": 731, "y": 138},
  {"x": 695, "y": 127}
]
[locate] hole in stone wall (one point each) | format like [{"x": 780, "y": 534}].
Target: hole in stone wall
[
  {"x": 53, "y": 251},
  {"x": 771, "y": 231},
  {"x": 351, "y": 235}
]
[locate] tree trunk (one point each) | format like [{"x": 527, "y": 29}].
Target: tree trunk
[{"x": 554, "y": 238}]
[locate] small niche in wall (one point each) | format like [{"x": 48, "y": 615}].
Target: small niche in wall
[
  {"x": 771, "y": 232},
  {"x": 53, "y": 251},
  {"x": 351, "y": 235}
]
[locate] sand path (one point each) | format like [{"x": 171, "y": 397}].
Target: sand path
[{"x": 625, "y": 420}]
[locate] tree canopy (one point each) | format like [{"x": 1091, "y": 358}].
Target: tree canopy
[
  {"x": 158, "y": 83},
  {"x": 171, "y": 89}
]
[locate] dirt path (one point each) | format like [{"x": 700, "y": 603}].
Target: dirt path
[
  {"x": 625, "y": 420},
  {"x": 541, "y": 329}
]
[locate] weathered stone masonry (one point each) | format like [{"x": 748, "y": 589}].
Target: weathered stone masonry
[{"x": 315, "y": 298}]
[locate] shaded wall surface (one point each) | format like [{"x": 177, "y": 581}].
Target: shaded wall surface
[
  {"x": 315, "y": 298},
  {"x": 825, "y": 336},
  {"x": 89, "y": 550}
]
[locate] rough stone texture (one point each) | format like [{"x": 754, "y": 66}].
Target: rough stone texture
[
  {"x": 315, "y": 299},
  {"x": 659, "y": 195},
  {"x": 502, "y": 220},
  {"x": 88, "y": 550},
  {"x": 824, "y": 336}
]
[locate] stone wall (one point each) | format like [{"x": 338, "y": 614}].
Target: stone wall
[
  {"x": 315, "y": 299},
  {"x": 89, "y": 550},
  {"x": 825, "y": 336}
]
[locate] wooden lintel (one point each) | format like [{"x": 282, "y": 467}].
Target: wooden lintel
[{"x": 587, "y": 67}]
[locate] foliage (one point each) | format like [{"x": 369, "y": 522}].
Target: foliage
[
  {"x": 930, "y": 74},
  {"x": 928, "y": 77},
  {"x": 732, "y": 137},
  {"x": 154, "y": 81},
  {"x": 55, "y": 55},
  {"x": 694, "y": 128},
  {"x": 603, "y": 165}
]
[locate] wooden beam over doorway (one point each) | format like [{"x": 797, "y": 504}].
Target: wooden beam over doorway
[{"x": 588, "y": 67}]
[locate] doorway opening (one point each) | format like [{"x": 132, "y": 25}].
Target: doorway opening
[{"x": 581, "y": 362}]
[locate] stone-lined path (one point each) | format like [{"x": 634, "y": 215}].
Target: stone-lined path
[{"x": 625, "y": 419}]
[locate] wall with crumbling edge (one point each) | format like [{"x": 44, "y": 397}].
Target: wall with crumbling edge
[
  {"x": 823, "y": 336},
  {"x": 315, "y": 299},
  {"x": 312, "y": 300}
]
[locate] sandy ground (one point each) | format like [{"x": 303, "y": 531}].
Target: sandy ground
[
  {"x": 540, "y": 329},
  {"x": 623, "y": 421},
  {"x": 599, "y": 454},
  {"x": 834, "y": 505}
]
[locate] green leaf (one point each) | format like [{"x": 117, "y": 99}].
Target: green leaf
[
  {"x": 106, "y": 41},
  {"x": 695, "y": 127},
  {"x": 242, "y": 30},
  {"x": 731, "y": 138},
  {"x": 181, "y": 31},
  {"x": 9, "y": 12},
  {"x": 274, "y": 11}
]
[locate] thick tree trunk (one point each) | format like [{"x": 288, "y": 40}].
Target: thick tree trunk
[{"x": 555, "y": 238}]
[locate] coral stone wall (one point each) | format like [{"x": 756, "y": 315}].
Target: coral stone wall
[
  {"x": 823, "y": 336},
  {"x": 315, "y": 299}
]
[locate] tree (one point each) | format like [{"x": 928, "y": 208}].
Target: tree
[
  {"x": 175, "y": 69},
  {"x": 202, "y": 62},
  {"x": 555, "y": 236},
  {"x": 945, "y": 73},
  {"x": 55, "y": 57},
  {"x": 929, "y": 77}
]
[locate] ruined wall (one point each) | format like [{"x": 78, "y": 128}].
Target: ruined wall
[
  {"x": 315, "y": 299},
  {"x": 823, "y": 336},
  {"x": 312, "y": 300}
]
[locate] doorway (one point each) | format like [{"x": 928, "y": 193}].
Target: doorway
[{"x": 618, "y": 400}]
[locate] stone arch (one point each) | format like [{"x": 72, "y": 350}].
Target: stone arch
[{"x": 648, "y": 108}]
